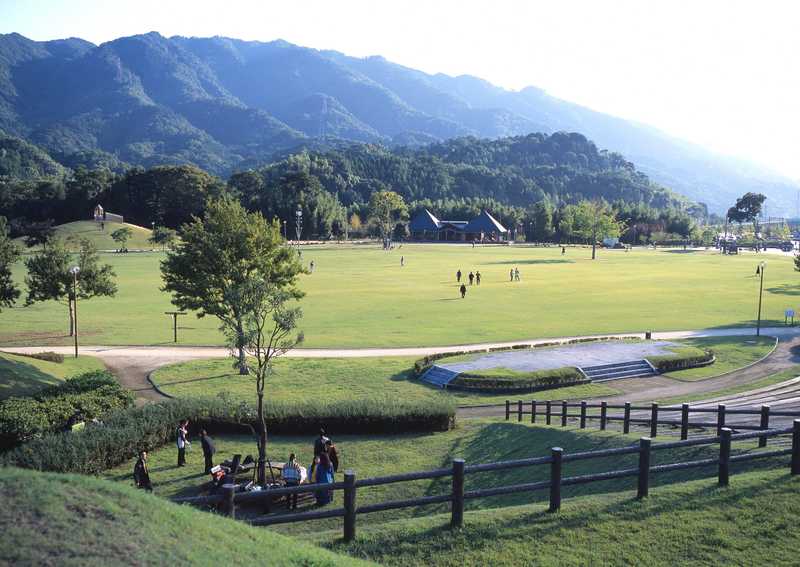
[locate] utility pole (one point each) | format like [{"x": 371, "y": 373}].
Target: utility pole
[{"x": 760, "y": 271}]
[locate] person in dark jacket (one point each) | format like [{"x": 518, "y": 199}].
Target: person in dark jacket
[
  {"x": 141, "y": 473},
  {"x": 458, "y": 276},
  {"x": 333, "y": 455},
  {"x": 208, "y": 449},
  {"x": 320, "y": 443},
  {"x": 183, "y": 441},
  {"x": 463, "y": 290}
]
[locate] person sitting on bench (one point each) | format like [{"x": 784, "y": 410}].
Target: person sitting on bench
[{"x": 292, "y": 476}]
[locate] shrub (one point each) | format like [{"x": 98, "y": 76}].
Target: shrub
[
  {"x": 125, "y": 432},
  {"x": 683, "y": 358},
  {"x": 56, "y": 408},
  {"x": 507, "y": 381}
]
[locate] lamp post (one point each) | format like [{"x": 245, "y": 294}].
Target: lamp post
[
  {"x": 284, "y": 230},
  {"x": 75, "y": 270},
  {"x": 760, "y": 272},
  {"x": 298, "y": 224}
]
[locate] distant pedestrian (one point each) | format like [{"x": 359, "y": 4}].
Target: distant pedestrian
[
  {"x": 182, "y": 441},
  {"x": 511, "y": 274},
  {"x": 478, "y": 278},
  {"x": 208, "y": 450},
  {"x": 516, "y": 274},
  {"x": 473, "y": 244},
  {"x": 463, "y": 290},
  {"x": 458, "y": 276},
  {"x": 471, "y": 278},
  {"x": 311, "y": 266},
  {"x": 563, "y": 250},
  {"x": 402, "y": 261},
  {"x": 141, "y": 473}
]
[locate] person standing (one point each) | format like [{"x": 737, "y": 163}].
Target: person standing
[
  {"x": 141, "y": 473},
  {"x": 333, "y": 455},
  {"x": 478, "y": 278},
  {"x": 324, "y": 475},
  {"x": 471, "y": 278},
  {"x": 402, "y": 261},
  {"x": 458, "y": 276},
  {"x": 516, "y": 274},
  {"x": 292, "y": 476},
  {"x": 463, "y": 290},
  {"x": 511, "y": 274},
  {"x": 183, "y": 441},
  {"x": 208, "y": 449},
  {"x": 311, "y": 266},
  {"x": 563, "y": 250}
]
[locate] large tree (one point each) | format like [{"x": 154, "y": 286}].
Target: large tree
[
  {"x": 386, "y": 209},
  {"x": 747, "y": 209},
  {"x": 266, "y": 331},
  {"x": 9, "y": 253},
  {"x": 221, "y": 252},
  {"x": 163, "y": 236},
  {"x": 593, "y": 220},
  {"x": 49, "y": 277},
  {"x": 121, "y": 237}
]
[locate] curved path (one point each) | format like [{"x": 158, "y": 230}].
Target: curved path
[{"x": 133, "y": 364}]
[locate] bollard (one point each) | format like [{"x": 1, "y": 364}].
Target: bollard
[
  {"x": 644, "y": 468},
  {"x": 626, "y": 420},
  {"x": 762, "y": 441},
  {"x": 349, "y": 505},
  {"x": 583, "y": 415},
  {"x": 603, "y": 414},
  {"x": 720, "y": 418},
  {"x": 564, "y": 413},
  {"x": 724, "y": 456},
  {"x": 229, "y": 504},
  {"x": 555, "y": 479},
  {"x": 653, "y": 420},
  {"x": 457, "y": 506}
]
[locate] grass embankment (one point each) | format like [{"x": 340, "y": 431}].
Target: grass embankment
[
  {"x": 360, "y": 297},
  {"x": 309, "y": 379},
  {"x": 476, "y": 441},
  {"x": 731, "y": 354},
  {"x": 24, "y": 375},
  {"x": 77, "y": 520},
  {"x": 752, "y": 522},
  {"x": 72, "y": 232},
  {"x": 770, "y": 380}
]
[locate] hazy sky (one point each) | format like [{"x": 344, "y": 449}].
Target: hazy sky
[{"x": 722, "y": 73}]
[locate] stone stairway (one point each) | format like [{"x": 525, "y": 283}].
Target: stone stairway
[
  {"x": 632, "y": 369},
  {"x": 439, "y": 376}
]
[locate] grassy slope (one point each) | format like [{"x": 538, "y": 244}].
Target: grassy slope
[
  {"x": 752, "y": 522},
  {"x": 23, "y": 375},
  {"x": 776, "y": 378},
  {"x": 72, "y": 231},
  {"x": 731, "y": 353},
  {"x": 361, "y": 297},
  {"x": 303, "y": 379},
  {"x": 75, "y": 520},
  {"x": 474, "y": 440}
]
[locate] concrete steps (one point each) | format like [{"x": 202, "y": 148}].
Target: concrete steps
[
  {"x": 438, "y": 376},
  {"x": 632, "y": 369}
]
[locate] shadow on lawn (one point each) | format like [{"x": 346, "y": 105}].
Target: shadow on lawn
[
  {"x": 21, "y": 379},
  {"x": 785, "y": 289},
  {"x": 531, "y": 262}
]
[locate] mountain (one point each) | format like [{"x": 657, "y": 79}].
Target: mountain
[{"x": 224, "y": 104}]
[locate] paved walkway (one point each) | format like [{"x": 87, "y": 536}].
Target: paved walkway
[{"x": 133, "y": 364}]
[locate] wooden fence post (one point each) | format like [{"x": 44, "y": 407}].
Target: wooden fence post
[
  {"x": 644, "y": 468},
  {"x": 796, "y": 447},
  {"x": 533, "y": 411},
  {"x": 564, "y": 413},
  {"x": 583, "y": 415},
  {"x": 555, "y": 479},
  {"x": 457, "y": 506},
  {"x": 519, "y": 410},
  {"x": 349, "y": 505},
  {"x": 229, "y": 504},
  {"x": 653, "y": 420},
  {"x": 603, "y": 413},
  {"x": 626, "y": 421},
  {"x": 547, "y": 412},
  {"x": 724, "y": 456},
  {"x": 508, "y": 409},
  {"x": 762, "y": 441},
  {"x": 684, "y": 421},
  {"x": 720, "y": 418}
]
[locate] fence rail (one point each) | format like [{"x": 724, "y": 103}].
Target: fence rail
[{"x": 228, "y": 499}]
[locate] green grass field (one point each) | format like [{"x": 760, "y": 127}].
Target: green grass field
[
  {"x": 71, "y": 232},
  {"x": 359, "y": 296},
  {"x": 752, "y": 522},
  {"x": 307, "y": 379},
  {"x": 74, "y": 520},
  {"x": 776, "y": 378},
  {"x": 24, "y": 376},
  {"x": 731, "y": 353}
]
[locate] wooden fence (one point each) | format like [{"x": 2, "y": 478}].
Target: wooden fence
[
  {"x": 228, "y": 500},
  {"x": 560, "y": 410}
]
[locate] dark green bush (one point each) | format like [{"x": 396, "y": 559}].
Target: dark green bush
[
  {"x": 125, "y": 432},
  {"x": 686, "y": 357},
  {"x": 56, "y": 408}
]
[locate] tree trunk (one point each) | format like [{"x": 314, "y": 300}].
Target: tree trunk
[
  {"x": 262, "y": 442},
  {"x": 243, "y": 371},
  {"x": 594, "y": 249}
]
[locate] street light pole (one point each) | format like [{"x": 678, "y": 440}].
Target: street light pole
[
  {"x": 75, "y": 270},
  {"x": 298, "y": 224},
  {"x": 760, "y": 271}
]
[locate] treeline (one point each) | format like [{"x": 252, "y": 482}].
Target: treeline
[{"x": 526, "y": 182}]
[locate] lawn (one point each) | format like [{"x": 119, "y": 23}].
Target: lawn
[
  {"x": 731, "y": 354},
  {"x": 307, "y": 379},
  {"x": 360, "y": 296},
  {"x": 24, "y": 376},
  {"x": 752, "y": 522},
  {"x": 476, "y": 441},
  {"x": 72, "y": 520},
  {"x": 776, "y": 378},
  {"x": 71, "y": 232}
]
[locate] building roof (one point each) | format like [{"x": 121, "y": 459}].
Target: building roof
[
  {"x": 484, "y": 222},
  {"x": 423, "y": 220}
]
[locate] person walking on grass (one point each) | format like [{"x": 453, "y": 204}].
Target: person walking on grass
[
  {"x": 208, "y": 450},
  {"x": 563, "y": 250},
  {"x": 183, "y": 441},
  {"x": 478, "y": 278},
  {"x": 516, "y": 274},
  {"x": 511, "y": 274},
  {"x": 471, "y": 278},
  {"x": 141, "y": 473},
  {"x": 458, "y": 276},
  {"x": 463, "y": 290},
  {"x": 402, "y": 261}
]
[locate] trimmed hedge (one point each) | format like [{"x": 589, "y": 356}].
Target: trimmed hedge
[
  {"x": 48, "y": 356},
  {"x": 684, "y": 357},
  {"x": 125, "y": 432},
  {"x": 519, "y": 382},
  {"x": 57, "y": 408}
]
